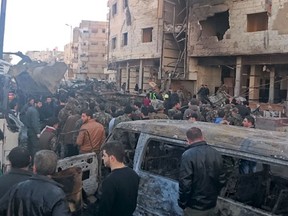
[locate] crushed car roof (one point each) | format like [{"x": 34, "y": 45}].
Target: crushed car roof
[{"x": 272, "y": 144}]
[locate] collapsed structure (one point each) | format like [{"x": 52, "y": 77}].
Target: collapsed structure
[{"x": 242, "y": 44}]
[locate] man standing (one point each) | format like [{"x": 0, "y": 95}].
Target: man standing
[
  {"x": 48, "y": 136},
  {"x": 201, "y": 176},
  {"x": 34, "y": 127},
  {"x": 40, "y": 195},
  {"x": 91, "y": 135},
  {"x": 120, "y": 187},
  {"x": 20, "y": 159},
  {"x": 246, "y": 166}
]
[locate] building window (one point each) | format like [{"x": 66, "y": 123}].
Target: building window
[
  {"x": 125, "y": 4},
  {"x": 103, "y": 31},
  {"x": 125, "y": 39},
  {"x": 147, "y": 35},
  {"x": 114, "y": 9},
  {"x": 163, "y": 159},
  {"x": 114, "y": 41},
  {"x": 257, "y": 22},
  {"x": 94, "y": 30},
  {"x": 94, "y": 43}
]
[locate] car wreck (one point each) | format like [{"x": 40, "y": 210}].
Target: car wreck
[{"x": 154, "y": 149}]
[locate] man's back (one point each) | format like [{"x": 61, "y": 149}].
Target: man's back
[
  {"x": 205, "y": 177},
  {"x": 12, "y": 178},
  {"x": 120, "y": 191},
  {"x": 36, "y": 197},
  {"x": 91, "y": 136}
]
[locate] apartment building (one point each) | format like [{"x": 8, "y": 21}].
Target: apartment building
[
  {"x": 86, "y": 54},
  {"x": 46, "y": 56},
  {"x": 241, "y": 43},
  {"x": 147, "y": 41}
]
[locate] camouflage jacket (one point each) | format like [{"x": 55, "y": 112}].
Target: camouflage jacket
[
  {"x": 159, "y": 116},
  {"x": 104, "y": 119},
  {"x": 173, "y": 112},
  {"x": 122, "y": 118},
  {"x": 235, "y": 120}
]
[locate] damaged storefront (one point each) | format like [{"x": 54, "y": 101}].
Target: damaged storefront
[{"x": 242, "y": 44}]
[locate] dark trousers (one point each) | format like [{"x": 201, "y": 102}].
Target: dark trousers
[
  {"x": 70, "y": 150},
  {"x": 33, "y": 143}
]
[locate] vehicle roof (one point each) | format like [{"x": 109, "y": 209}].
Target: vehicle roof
[{"x": 271, "y": 144}]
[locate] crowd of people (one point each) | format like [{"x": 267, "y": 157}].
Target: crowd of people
[{"x": 69, "y": 127}]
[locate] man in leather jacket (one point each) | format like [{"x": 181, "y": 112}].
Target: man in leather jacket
[
  {"x": 40, "y": 195},
  {"x": 201, "y": 176}
]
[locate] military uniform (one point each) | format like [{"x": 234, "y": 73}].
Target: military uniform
[
  {"x": 104, "y": 119},
  {"x": 122, "y": 118},
  {"x": 235, "y": 119},
  {"x": 173, "y": 112},
  {"x": 160, "y": 116}
]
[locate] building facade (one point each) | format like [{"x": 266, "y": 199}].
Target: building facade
[
  {"x": 241, "y": 43},
  {"x": 46, "y": 56},
  {"x": 86, "y": 54},
  {"x": 146, "y": 42},
  {"x": 183, "y": 44}
]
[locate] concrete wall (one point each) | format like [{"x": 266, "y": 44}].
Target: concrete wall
[
  {"x": 138, "y": 15},
  {"x": 236, "y": 40}
]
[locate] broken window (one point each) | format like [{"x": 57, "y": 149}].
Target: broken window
[
  {"x": 129, "y": 141},
  {"x": 162, "y": 158},
  {"x": 114, "y": 9},
  {"x": 125, "y": 39},
  {"x": 114, "y": 42},
  {"x": 147, "y": 35},
  {"x": 125, "y": 4},
  {"x": 216, "y": 25},
  {"x": 257, "y": 22},
  {"x": 266, "y": 189}
]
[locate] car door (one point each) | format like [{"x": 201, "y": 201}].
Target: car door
[{"x": 157, "y": 162}]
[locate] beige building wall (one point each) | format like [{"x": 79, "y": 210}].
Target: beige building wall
[
  {"x": 242, "y": 44},
  {"x": 131, "y": 20},
  {"x": 242, "y": 37},
  {"x": 92, "y": 49},
  {"x": 46, "y": 56}
]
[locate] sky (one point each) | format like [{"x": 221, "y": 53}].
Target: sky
[{"x": 36, "y": 25}]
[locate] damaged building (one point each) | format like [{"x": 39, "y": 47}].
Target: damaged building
[
  {"x": 147, "y": 41},
  {"x": 183, "y": 44},
  {"x": 241, "y": 43}
]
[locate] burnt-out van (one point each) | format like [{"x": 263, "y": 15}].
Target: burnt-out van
[{"x": 154, "y": 149}]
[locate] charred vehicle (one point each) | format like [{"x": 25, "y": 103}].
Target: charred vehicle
[{"x": 154, "y": 149}]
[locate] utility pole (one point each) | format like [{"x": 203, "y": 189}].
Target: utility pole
[{"x": 2, "y": 26}]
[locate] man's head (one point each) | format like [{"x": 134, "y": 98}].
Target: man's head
[
  {"x": 19, "y": 157},
  {"x": 48, "y": 99},
  {"x": 128, "y": 109},
  {"x": 112, "y": 154},
  {"x": 31, "y": 100},
  {"x": 86, "y": 115},
  {"x": 53, "y": 122},
  {"x": 38, "y": 103},
  {"x": 194, "y": 135},
  {"x": 45, "y": 162},
  {"x": 248, "y": 122}
]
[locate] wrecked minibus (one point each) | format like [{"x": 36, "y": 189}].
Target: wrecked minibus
[{"x": 154, "y": 149}]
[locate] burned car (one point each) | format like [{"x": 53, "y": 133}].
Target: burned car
[{"x": 154, "y": 149}]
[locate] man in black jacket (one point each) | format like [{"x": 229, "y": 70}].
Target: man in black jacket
[
  {"x": 201, "y": 176},
  {"x": 20, "y": 159},
  {"x": 120, "y": 187},
  {"x": 40, "y": 195}
]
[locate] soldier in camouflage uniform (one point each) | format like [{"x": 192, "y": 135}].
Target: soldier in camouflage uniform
[
  {"x": 70, "y": 108},
  {"x": 103, "y": 118},
  {"x": 126, "y": 117},
  {"x": 160, "y": 112},
  {"x": 235, "y": 118},
  {"x": 175, "y": 111}
]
